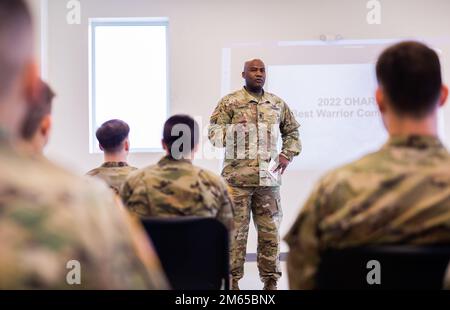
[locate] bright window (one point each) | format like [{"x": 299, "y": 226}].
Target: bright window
[{"x": 128, "y": 78}]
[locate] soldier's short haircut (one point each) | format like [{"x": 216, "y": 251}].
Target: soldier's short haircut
[
  {"x": 111, "y": 135},
  {"x": 41, "y": 107},
  {"x": 410, "y": 75},
  {"x": 15, "y": 40},
  {"x": 182, "y": 127}
]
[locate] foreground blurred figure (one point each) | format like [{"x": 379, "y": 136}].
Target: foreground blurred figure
[
  {"x": 113, "y": 140},
  {"x": 56, "y": 230},
  {"x": 398, "y": 195}
]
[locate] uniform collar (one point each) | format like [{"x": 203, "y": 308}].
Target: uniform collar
[
  {"x": 114, "y": 164},
  {"x": 250, "y": 98},
  {"x": 415, "y": 141},
  {"x": 168, "y": 160}
]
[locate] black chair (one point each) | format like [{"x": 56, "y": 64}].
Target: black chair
[
  {"x": 194, "y": 252},
  {"x": 402, "y": 267}
]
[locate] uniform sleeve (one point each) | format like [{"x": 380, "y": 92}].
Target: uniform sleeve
[
  {"x": 225, "y": 214},
  {"x": 303, "y": 257},
  {"x": 289, "y": 134},
  {"x": 134, "y": 196},
  {"x": 221, "y": 117}
]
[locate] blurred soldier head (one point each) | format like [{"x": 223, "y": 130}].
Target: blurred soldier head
[
  {"x": 410, "y": 88},
  {"x": 255, "y": 75},
  {"x": 180, "y": 137},
  {"x": 18, "y": 71},
  {"x": 38, "y": 121},
  {"x": 113, "y": 139}
]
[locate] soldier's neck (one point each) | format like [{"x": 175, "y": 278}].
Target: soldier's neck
[
  {"x": 189, "y": 156},
  {"x": 255, "y": 92},
  {"x": 31, "y": 147},
  {"x": 9, "y": 126},
  {"x": 406, "y": 126},
  {"x": 116, "y": 157}
]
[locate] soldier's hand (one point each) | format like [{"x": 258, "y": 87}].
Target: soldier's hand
[{"x": 283, "y": 162}]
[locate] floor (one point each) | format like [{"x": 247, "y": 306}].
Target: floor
[{"x": 251, "y": 280}]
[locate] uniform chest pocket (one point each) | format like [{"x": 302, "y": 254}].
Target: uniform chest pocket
[
  {"x": 269, "y": 116},
  {"x": 242, "y": 113}
]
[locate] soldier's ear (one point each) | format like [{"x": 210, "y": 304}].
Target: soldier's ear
[
  {"x": 164, "y": 146},
  {"x": 127, "y": 144},
  {"x": 32, "y": 82},
  {"x": 46, "y": 125},
  {"x": 243, "y": 74},
  {"x": 101, "y": 147},
  {"x": 444, "y": 96},
  {"x": 381, "y": 100}
]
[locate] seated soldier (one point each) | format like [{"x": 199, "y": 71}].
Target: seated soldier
[
  {"x": 113, "y": 141},
  {"x": 57, "y": 230},
  {"x": 397, "y": 195},
  {"x": 174, "y": 186}
]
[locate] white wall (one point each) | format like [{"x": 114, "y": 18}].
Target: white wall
[
  {"x": 38, "y": 10},
  {"x": 198, "y": 31}
]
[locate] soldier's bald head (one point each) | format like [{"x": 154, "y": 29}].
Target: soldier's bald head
[
  {"x": 253, "y": 62},
  {"x": 16, "y": 47},
  {"x": 255, "y": 75}
]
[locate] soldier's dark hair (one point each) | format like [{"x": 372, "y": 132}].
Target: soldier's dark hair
[
  {"x": 15, "y": 40},
  {"x": 410, "y": 75},
  {"x": 183, "y": 130},
  {"x": 111, "y": 135},
  {"x": 41, "y": 107}
]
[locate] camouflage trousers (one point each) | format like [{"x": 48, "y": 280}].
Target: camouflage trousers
[{"x": 263, "y": 203}]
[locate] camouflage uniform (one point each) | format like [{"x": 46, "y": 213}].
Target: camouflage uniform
[
  {"x": 50, "y": 217},
  {"x": 256, "y": 123},
  {"x": 177, "y": 188},
  {"x": 113, "y": 173},
  {"x": 398, "y": 195}
]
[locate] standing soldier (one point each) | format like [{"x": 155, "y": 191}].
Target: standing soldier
[
  {"x": 113, "y": 140},
  {"x": 253, "y": 171}
]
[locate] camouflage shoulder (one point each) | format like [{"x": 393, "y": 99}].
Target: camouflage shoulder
[
  {"x": 212, "y": 177},
  {"x": 134, "y": 175},
  {"x": 86, "y": 188},
  {"x": 86, "y": 184},
  {"x": 347, "y": 171},
  {"x": 93, "y": 172},
  {"x": 139, "y": 174},
  {"x": 274, "y": 98},
  {"x": 232, "y": 97},
  {"x": 62, "y": 174}
]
